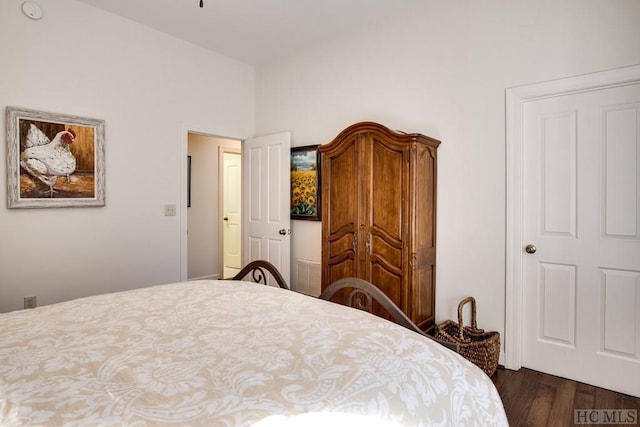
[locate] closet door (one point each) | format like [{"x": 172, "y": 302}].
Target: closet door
[{"x": 383, "y": 220}]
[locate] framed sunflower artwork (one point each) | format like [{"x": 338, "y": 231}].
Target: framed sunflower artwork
[{"x": 305, "y": 183}]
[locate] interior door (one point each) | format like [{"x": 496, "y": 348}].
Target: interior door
[
  {"x": 581, "y": 231},
  {"x": 266, "y": 185},
  {"x": 232, "y": 219}
]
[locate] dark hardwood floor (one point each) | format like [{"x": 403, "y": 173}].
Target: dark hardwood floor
[{"x": 532, "y": 398}]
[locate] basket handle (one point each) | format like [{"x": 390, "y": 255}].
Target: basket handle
[{"x": 474, "y": 323}]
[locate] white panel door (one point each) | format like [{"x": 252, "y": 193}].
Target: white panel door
[
  {"x": 581, "y": 212},
  {"x": 266, "y": 184},
  {"x": 232, "y": 220}
]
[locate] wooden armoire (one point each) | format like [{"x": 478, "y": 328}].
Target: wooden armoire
[{"x": 379, "y": 214}]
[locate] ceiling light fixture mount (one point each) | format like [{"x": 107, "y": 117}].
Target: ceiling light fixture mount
[{"x": 33, "y": 10}]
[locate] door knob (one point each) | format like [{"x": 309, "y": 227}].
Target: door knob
[
  {"x": 530, "y": 249},
  {"x": 284, "y": 232},
  {"x": 225, "y": 218}
]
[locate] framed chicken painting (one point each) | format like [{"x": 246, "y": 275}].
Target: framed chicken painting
[{"x": 54, "y": 160}]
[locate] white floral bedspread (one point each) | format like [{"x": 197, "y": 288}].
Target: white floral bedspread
[{"x": 226, "y": 353}]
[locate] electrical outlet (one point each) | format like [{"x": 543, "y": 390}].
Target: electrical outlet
[
  {"x": 169, "y": 210},
  {"x": 30, "y": 302}
]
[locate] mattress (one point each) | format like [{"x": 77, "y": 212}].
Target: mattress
[{"x": 229, "y": 353}]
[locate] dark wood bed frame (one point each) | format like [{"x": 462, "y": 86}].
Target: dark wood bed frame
[
  {"x": 363, "y": 294},
  {"x": 257, "y": 269}
]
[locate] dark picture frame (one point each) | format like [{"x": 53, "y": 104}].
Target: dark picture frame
[
  {"x": 54, "y": 160},
  {"x": 306, "y": 184},
  {"x": 188, "y": 181}
]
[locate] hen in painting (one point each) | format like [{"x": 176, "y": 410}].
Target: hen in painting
[{"x": 46, "y": 159}]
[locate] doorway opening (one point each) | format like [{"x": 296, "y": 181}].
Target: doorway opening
[{"x": 210, "y": 189}]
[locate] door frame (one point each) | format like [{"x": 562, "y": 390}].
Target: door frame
[
  {"x": 187, "y": 129},
  {"x": 516, "y": 98},
  {"x": 222, "y": 149}
]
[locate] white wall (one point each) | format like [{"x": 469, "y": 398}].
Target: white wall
[
  {"x": 441, "y": 68},
  {"x": 150, "y": 89}
]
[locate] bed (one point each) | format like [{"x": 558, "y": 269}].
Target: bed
[{"x": 229, "y": 353}]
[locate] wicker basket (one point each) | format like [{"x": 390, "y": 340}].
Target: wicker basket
[{"x": 480, "y": 347}]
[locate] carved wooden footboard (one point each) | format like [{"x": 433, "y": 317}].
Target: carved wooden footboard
[
  {"x": 361, "y": 295},
  {"x": 257, "y": 272}
]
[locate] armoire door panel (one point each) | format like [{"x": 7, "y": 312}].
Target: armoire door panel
[
  {"x": 342, "y": 197},
  {"x": 388, "y": 252},
  {"x": 342, "y": 187},
  {"x": 390, "y": 282},
  {"x": 342, "y": 246},
  {"x": 343, "y": 267},
  {"x": 386, "y": 189},
  {"x": 379, "y": 263}
]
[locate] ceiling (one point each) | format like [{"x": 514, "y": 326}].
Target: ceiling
[{"x": 253, "y": 31}]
